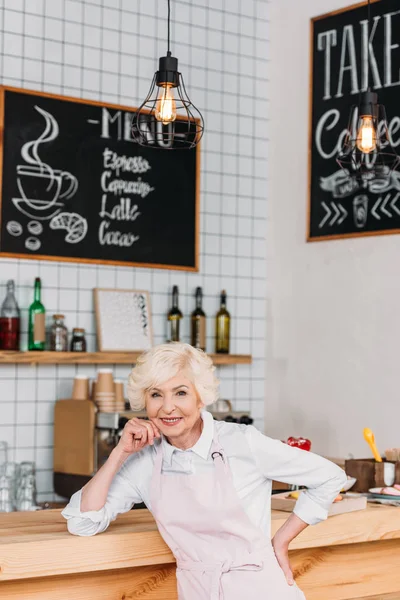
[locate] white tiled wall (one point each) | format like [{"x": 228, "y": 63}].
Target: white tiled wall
[{"x": 108, "y": 50}]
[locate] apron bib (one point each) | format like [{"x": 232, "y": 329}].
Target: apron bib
[{"x": 220, "y": 554}]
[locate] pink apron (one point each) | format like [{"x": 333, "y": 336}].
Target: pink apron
[{"x": 220, "y": 553}]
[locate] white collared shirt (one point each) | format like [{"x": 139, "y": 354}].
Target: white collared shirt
[{"x": 254, "y": 459}]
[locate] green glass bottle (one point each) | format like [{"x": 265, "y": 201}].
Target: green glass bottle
[
  {"x": 36, "y": 326},
  {"x": 174, "y": 318},
  {"x": 222, "y": 327}
]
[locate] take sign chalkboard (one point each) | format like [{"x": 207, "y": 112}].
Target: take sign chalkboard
[
  {"x": 75, "y": 186},
  {"x": 338, "y": 205}
]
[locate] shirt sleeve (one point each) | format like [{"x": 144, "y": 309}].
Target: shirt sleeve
[
  {"x": 122, "y": 495},
  {"x": 281, "y": 462}
]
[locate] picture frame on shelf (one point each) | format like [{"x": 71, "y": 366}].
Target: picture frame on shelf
[{"x": 123, "y": 320}]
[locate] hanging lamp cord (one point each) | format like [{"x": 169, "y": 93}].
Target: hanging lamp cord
[
  {"x": 169, "y": 26},
  {"x": 368, "y": 50}
]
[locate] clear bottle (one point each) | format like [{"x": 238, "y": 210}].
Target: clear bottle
[
  {"x": 9, "y": 320},
  {"x": 58, "y": 335},
  {"x": 174, "y": 317},
  {"x": 37, "y": 322},
  {"x": 198, "y": 337},
  {"x": 78, "y": 341},
  {"x": 222, "y": 327}
]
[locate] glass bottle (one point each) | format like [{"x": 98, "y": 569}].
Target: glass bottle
[
  {"x": 58, "y": 335},
  {"x": 36, "y": 325},
  {"x": 198, "y": 337},
  {"x": 78, "y": 341},
  {"x": 9, "y": 320},
  {"x": 222, "y": 327},
  {"x": 174, "y": 317}
]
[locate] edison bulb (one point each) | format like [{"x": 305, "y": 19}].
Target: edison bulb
[
  {"x": 165, "y": 105},
  {"x": 366, "y": 135}
]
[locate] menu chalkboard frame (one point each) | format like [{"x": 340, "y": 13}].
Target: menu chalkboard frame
[
  {"x": 309, "y": 236},
  {"x": 82, "y": 260}
]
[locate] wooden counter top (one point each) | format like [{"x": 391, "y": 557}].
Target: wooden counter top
[{"x": 39, "y": 545}]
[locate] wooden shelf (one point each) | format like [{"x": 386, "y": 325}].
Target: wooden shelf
[{"x": 87, "y": 358}]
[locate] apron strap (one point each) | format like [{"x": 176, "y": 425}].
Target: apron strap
[{"x": 252, "y": 562}]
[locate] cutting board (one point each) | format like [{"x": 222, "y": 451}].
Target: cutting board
[{"x": 348, "y": 504}]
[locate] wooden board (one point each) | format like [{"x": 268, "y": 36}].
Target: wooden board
[
  {"x": 130, "y": 560},
  {"x": 89, "y": 358},
  {"x": 74, "y": 423},
  {"x": 282, "y": 502},
  {"x": 143, "y": 583},
  {"x": 348, "y": 571}
]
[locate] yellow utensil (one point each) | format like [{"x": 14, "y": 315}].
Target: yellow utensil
[{"x": 370, "y": 439}]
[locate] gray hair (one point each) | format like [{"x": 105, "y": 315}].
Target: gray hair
[{"x": 161, "y": 363}]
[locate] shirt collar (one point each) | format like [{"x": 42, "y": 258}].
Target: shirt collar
[{"x": 201, "y": 447}]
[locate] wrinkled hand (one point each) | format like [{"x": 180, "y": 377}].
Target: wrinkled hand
[
  {"x": 137, "y": 434},
  {"x": 282, "y": 556}
]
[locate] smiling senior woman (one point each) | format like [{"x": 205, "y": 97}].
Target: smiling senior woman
[{"x": 207, "y": 483}]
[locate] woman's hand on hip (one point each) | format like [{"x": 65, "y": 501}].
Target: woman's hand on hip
[
  {"x": 282, "y": 556},
  {"x": 136, "y": 435}
]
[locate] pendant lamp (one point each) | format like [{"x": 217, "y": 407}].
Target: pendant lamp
[
  {"x": 366, "y": 152},
  {"x": 168, "y": 119}
]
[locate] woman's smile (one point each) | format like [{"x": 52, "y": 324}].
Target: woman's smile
[{"x": 170, "y": 421}]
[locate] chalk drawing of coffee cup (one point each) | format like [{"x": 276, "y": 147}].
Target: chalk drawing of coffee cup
[
  {"x": 41, "y": 186},
  {"x": 360, "y": 211},
  {"x": 42, "y": 189}
]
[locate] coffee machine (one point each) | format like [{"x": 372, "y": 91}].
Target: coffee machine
[{"x": 85, "y": 437}]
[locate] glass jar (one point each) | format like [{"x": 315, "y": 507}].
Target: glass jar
[
  {"x": 58, "y": 335},
  {"x": 78, "y": 342},
  {"x": 6, "y": 494}
]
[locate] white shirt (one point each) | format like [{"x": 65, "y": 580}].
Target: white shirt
[{"x": 255, "y": 460}]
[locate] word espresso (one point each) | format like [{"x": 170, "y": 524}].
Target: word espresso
[{"x": 114, "y": 206}]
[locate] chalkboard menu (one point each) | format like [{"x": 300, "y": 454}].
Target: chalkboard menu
[
  {"x": 338, "y": 205},
  {"x": 75, "y": 186}
]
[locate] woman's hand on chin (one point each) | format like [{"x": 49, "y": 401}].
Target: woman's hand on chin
[{"x": 136, "y": 435}]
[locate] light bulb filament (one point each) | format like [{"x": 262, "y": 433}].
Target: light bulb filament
[
  {"x": 165, "y": 106},
  {"x": 366, "y": 135}
]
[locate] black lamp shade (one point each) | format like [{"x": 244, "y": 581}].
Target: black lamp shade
[
  {"x": 186, "y": 130},
  {"x": 382, "y": 159}
]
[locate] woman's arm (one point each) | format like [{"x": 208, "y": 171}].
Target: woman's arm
[
  {"x": 281, "y": 462},
  {"x": 324, "y": 480},
  {"x": 94, "y": 494},
  {"x": 281, "y": 540},
  {"x": 114, "y": 488}
]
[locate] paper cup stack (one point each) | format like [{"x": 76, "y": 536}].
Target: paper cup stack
[
  {"x": 119, "y": 395},
  {"x": 107, "y": 393}
]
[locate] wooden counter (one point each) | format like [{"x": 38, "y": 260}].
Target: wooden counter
[{"x": 351, "y": 556}]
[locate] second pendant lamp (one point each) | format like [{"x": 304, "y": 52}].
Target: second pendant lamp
[
  {"x": 168, "y": 119},
  {"x": 367, "y": 152}
]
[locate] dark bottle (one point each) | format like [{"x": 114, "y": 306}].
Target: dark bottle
[
  {"x": 198, "y": 337},
  {"x": 78, "y": 341},
  {"x": 174, "y": 317},
  {"x": 36, "y": 325},
  {"x": 9, "y": 320},
  {"x": 222, "y": 327}
]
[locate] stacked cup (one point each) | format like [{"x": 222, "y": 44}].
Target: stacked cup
[
  {"x": 105, "y": 391},
  {"x": 119, "y": 395},
  {"x": 80, "y": 390}
]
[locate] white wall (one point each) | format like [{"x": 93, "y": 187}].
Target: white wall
[
  {"x": 334, "y": 351},
  {"x": 108, "y": 50}
]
